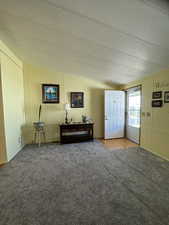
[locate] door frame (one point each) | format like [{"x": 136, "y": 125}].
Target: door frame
[{"x": 125, "y": 127}]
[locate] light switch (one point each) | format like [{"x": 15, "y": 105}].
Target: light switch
[{"x": 148, "y": 114}]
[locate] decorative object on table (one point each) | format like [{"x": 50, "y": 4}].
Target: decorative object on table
[
  {"x": 50, "y": 93},
  {"x": 77, "y": 99},
  {"x": 67, "y": 108},
  {"x": 89, "y": 120},
  {"x": 157, "y": 103},
  {"x": 86, "y": 119},
  {"x": 71, "y": 120},
  {"x": 166, "y": 96},
  {"x": 157, "y": 95}
]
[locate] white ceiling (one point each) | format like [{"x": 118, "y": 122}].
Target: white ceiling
[{"x": 114, "y": 41}]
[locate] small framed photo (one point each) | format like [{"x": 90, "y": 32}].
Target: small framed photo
[
  {"x": 50, "y": 93},
  {"x": 157, "y": 103},
  {"x": 77, "y": 99},
  {"x": 166, "y": 97},
  {"x": 157, "y": 95}
]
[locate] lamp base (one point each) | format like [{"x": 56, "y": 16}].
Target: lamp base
[{"x": 66, "y": 118}]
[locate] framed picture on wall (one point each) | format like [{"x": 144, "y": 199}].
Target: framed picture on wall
[
  {"x": 157, "y": 95},
  {"x": 50, "y": 93},
  {"x": 77, "y": 99},
  {"x": 157, "y": 103},
  {"x": 166, "y": 97}
]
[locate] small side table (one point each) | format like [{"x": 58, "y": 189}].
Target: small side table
[
  {"x": 76, "y": 132},
  {"x": 39, "y": 131}
]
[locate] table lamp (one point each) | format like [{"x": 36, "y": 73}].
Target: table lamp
[{"x": 67, "y": 108}]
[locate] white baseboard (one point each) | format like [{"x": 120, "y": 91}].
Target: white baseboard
[{"x": 157, "y": 154}]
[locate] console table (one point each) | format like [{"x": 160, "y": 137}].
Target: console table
[{"x": 76, "y": 132}]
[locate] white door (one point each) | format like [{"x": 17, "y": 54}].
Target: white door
[
  {"x": 114, "y": 105},
  {"x": 133, "y": 114}
]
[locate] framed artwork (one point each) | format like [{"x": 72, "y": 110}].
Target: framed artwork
[
  {"x": 166, "y": 97},
  {"x": 77, "y": 99},
  {"x": 50, "y": 93},
  {"x": 157, "y": 103},
  {"x": 157, "y": 95}
]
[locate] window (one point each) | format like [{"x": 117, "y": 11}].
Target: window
[{"x": 134, "y": 104}]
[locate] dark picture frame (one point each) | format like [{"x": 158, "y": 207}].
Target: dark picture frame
[
  {"x": 77, "y": 99},
  {"x": 166, "y": 97},
  {"x": 50, "y": 93},
  {"x": 157, "y": 95},
  {"x": 157, "y": 103}
]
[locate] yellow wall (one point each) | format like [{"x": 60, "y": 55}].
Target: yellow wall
[
  {"x": 3, "y": 156},
  {"x": 154, "y": 129},
  {"x": 53, "y": 114},
  {"x": 13, "y": 100}
]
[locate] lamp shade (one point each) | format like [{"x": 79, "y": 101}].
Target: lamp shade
[{"x": 67, "y": 107}]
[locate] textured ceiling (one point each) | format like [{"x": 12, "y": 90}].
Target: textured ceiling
[{"x": 114, "y": 41}]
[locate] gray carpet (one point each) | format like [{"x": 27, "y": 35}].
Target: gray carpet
[{"x": 84, "y": 184}]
